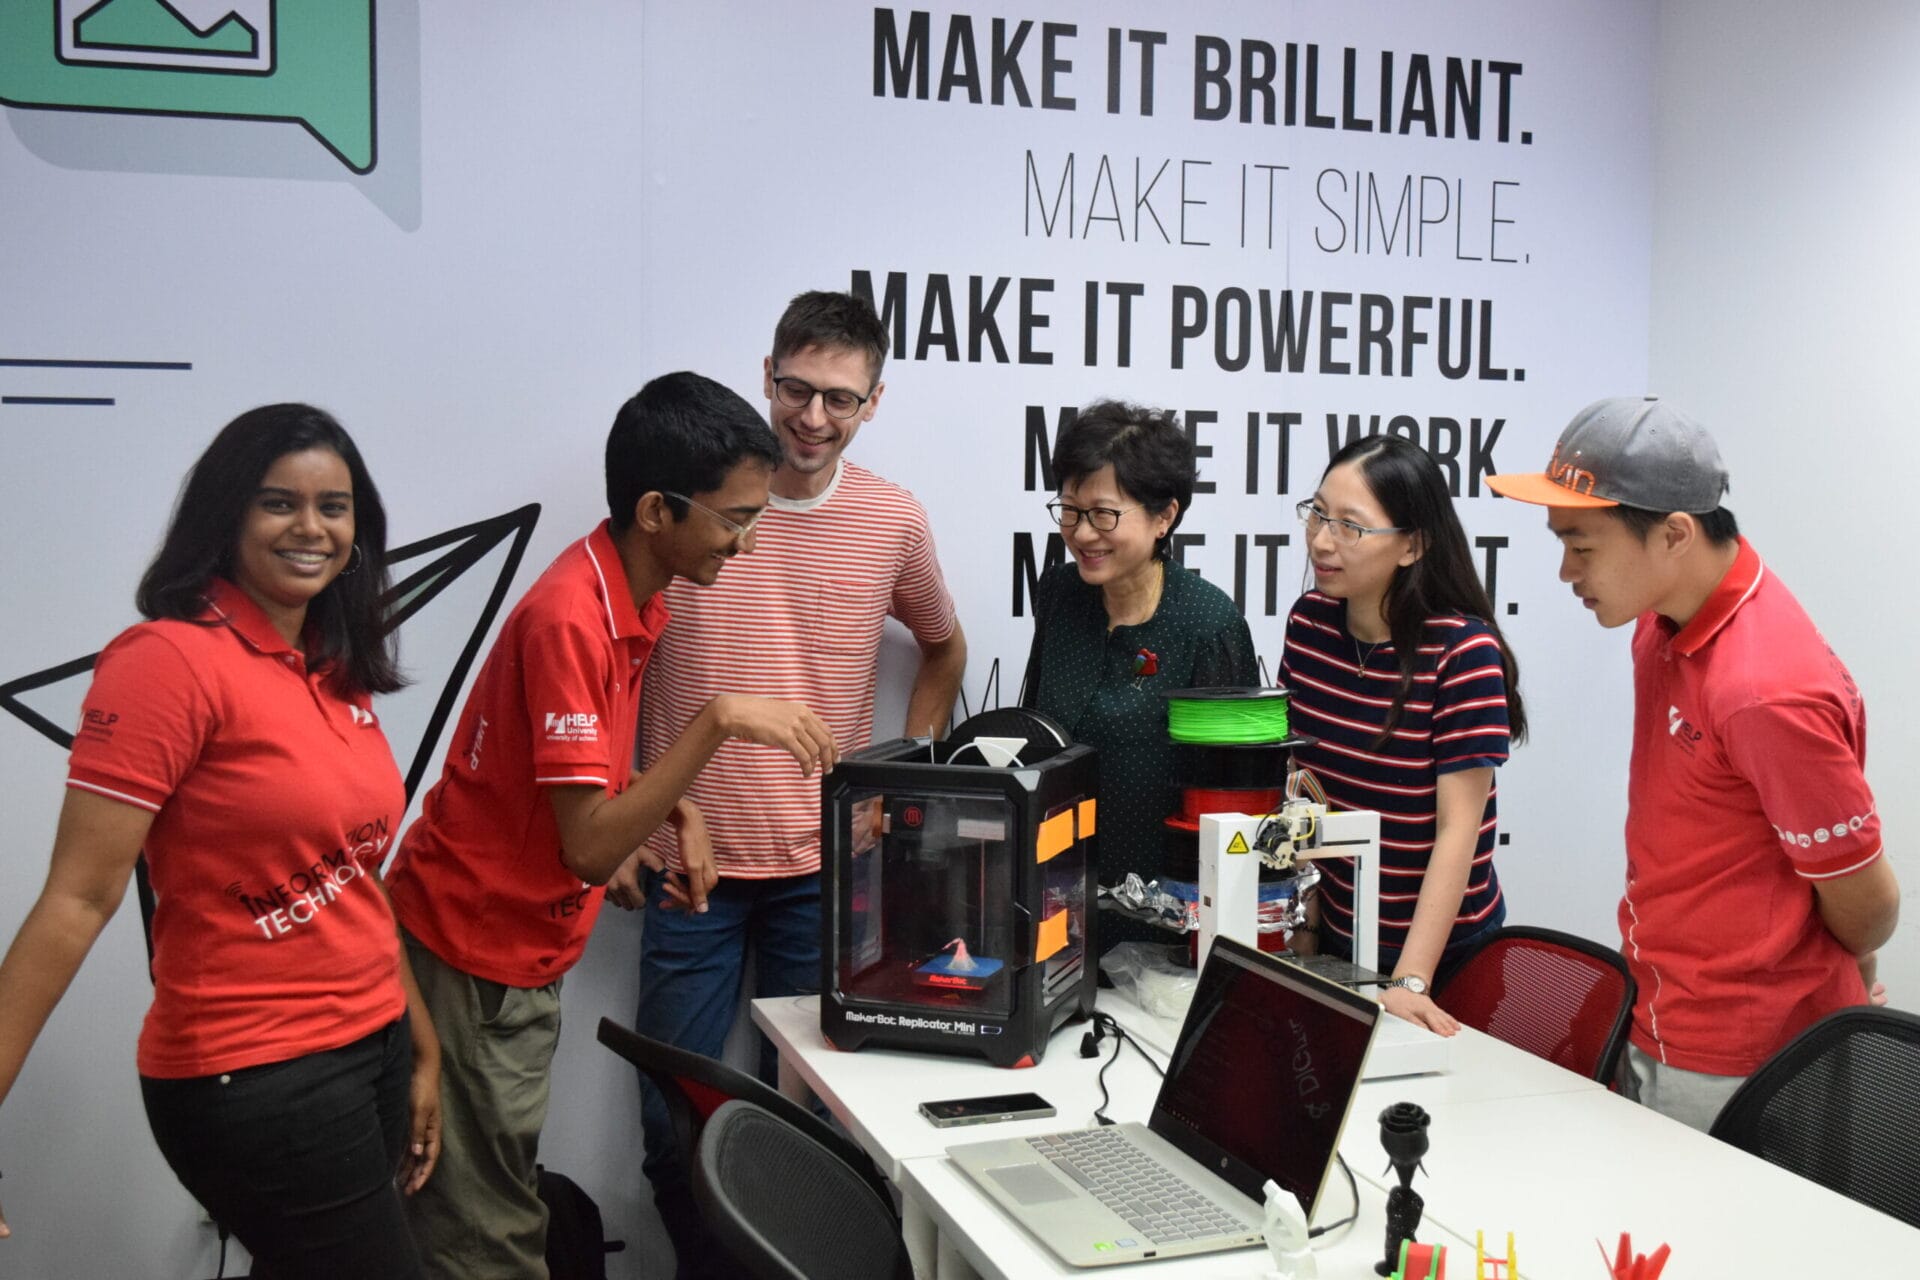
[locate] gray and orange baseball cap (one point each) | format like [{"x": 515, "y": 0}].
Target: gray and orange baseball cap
[{"x": 1628, "y": 451}]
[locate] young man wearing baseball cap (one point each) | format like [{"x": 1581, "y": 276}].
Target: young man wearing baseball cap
[{"x": 1757, "y": 891}]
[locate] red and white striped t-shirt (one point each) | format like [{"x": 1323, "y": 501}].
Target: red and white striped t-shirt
[{"x": 800, "y": 618}]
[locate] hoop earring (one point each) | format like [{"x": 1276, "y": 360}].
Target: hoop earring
[{"x": 354, "y": 561}]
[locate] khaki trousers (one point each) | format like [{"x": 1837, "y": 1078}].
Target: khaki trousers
[{"x": 480, "y": 1216}]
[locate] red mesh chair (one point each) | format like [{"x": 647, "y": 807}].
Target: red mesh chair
[
  {"x": 1557, "y": 996},
  {"x": 695, "y": 1086}
]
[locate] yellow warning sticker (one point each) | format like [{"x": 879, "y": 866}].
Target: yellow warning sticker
[{"x": 1239, "y": 843}]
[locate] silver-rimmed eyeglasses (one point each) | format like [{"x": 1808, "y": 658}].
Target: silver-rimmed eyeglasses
[
  {"x": 740, "y": 531},
  {"x": 1345, "y": 532}
]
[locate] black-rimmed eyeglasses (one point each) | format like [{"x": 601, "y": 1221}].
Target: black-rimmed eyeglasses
[
  {"x": 1105, "y": 519},
  {"x": 797, "y": 393}
]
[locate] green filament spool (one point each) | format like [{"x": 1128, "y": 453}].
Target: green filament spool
[{"x": 1227, "y": 717}]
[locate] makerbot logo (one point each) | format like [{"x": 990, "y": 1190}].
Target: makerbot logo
[
  {"x": 910, "y": 1022},
  {"x": 912, "y": 816}
]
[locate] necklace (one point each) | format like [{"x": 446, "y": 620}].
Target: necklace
[
  {"x": 1364, "y": 658},
  {"x": 1141, "y": 616}
]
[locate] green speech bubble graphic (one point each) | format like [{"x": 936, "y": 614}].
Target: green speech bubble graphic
[{"x": 309, "y": 62}]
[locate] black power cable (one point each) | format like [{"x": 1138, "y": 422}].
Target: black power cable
[
  {"x": 1105, "y": 1025},
  {"x": 1353, "y": 1189}
]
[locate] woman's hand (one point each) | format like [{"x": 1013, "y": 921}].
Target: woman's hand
[
  {"x": 1419, "y": 1010},
  {"x": 423, "y": 1146}
]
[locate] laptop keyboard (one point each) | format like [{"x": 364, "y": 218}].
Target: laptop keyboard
[{"x": 1155, "y": 1201}]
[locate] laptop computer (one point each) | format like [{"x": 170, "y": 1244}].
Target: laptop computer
[{"x": 1258, "y": 1088}]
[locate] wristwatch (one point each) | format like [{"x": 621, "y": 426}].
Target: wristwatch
[{"x": 1411, "y": 982}]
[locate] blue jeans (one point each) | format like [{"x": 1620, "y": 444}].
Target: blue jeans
[
  {"x": 690, "y": 975},
  {"x": 297, "y": 1158}
]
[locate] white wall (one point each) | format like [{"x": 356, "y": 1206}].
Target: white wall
[
  {"x": 922, "y": 185},
  {"x": 1785, "y": 268},
  {"x": 467, "y": 310},
  {"x": 562, "y": 209}
]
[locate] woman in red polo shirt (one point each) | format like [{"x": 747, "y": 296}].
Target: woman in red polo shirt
[{"x": 231, "y": 737}]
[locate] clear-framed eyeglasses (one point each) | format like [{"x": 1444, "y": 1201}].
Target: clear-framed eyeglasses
[
  {"x": 797, "y": 393},
  {"x": 740, "y": 531},
  {"x": 1105, "y": 519},
  {"x": 1345, "y": 532}
]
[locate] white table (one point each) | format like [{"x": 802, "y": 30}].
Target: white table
[
  {"x": 876, "y": 1093},
  {"x": 1561, "y": 1170},
  {"x": 975, "y": 1238},
  {"x": 952, "y": 1229},
  {"x": 1517, "y": 1144}
]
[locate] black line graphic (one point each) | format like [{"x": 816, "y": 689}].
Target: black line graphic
[
  {"x": 82, "y": 41},
  {"x": 469, "y": 544},
  {"x": 40, "y": 679},
  {"x": 68, "y": 400},
  {"x": 460, "y": 550},
  {"x": 22, "y": 362},
  {"x": 989, "y": 694}
]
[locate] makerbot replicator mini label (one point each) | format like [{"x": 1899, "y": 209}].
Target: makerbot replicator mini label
[{"x": 912, "y": 1022}]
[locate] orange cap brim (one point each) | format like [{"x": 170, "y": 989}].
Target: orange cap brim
[{"x": 1542, "y": 491}]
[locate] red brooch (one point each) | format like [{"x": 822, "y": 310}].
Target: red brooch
[{"x": 1146, "y": 663}]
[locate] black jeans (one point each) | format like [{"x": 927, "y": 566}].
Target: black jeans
[{"x": 297, "y": 1158}]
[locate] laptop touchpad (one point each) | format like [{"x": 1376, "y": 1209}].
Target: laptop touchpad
[{"x": 1031, "y": 1184}]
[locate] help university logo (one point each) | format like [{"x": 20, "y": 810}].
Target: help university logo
[{"x": 572, "y": 726}]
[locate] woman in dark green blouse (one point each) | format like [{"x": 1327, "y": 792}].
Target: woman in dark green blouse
[{"x": 1122, "y": 623}]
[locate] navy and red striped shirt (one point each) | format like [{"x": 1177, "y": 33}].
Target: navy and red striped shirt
[{"x": 1455, "y": 718}]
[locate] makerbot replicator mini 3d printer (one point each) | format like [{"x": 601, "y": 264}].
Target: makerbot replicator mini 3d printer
[{"x": 959, "y": 898}]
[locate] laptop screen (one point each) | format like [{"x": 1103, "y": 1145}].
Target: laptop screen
[{"x": 1264, "y": 1072}]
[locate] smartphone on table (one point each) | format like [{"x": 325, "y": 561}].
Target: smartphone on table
[{"x": 1000, "y": 1106}]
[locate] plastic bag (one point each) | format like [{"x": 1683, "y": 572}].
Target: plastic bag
[{"x": 1146, "y": 973}]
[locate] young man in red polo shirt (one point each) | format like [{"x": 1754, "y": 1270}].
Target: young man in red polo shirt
[
  {"x": 498, "y": 883},
  {"x": 1757, "y": 890}
]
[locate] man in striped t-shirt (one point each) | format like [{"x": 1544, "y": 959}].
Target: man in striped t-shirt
[{"x": 840, "y": 550}]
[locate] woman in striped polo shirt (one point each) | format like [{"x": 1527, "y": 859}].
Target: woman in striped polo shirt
[{"x": 1396, "y": 666}]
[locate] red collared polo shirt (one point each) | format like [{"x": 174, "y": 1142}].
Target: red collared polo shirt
[
  {"x": 275, "y": 800},
  {"x": 1746, "y": 785},
  {"x": 478, "y": 880}
]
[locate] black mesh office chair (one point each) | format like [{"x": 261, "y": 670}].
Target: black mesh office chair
[
  {"x": 694, "y": 1087},
  {"x": 1841, "y": 1106},
  {"x": 786, "y": 1208}
]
